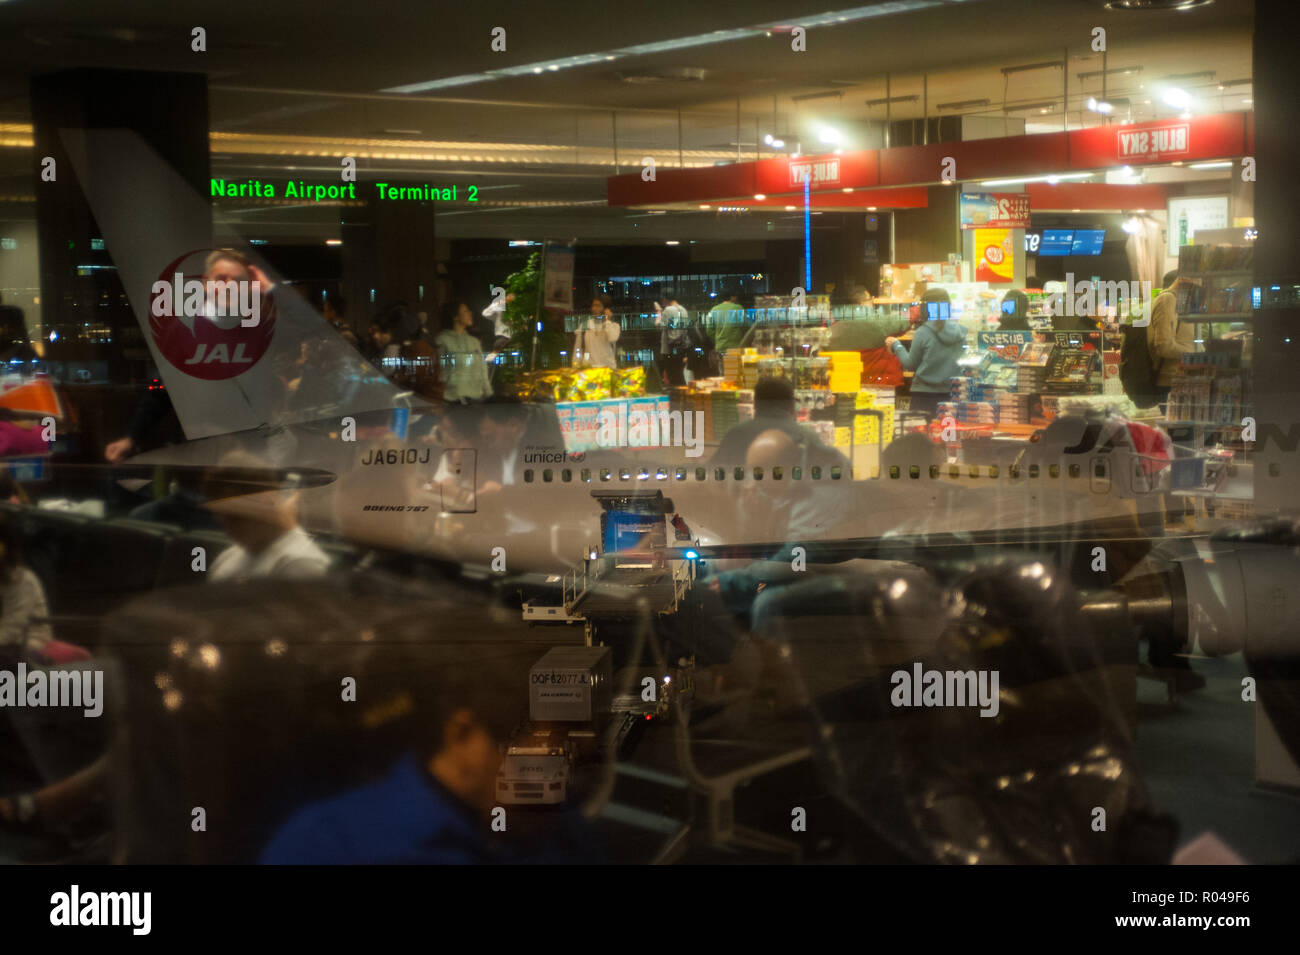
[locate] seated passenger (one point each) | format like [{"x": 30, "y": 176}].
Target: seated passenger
[
  {"x": 268, "y": 541},
  {"x": 22, "y": 597},
  {"x": 435, "y": 806},
  {"x": 773, "y": 410}
]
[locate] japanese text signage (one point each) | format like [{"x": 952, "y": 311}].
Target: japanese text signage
[{"x": 994, "y": 210}]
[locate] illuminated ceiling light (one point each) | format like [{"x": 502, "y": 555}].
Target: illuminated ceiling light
[
  {"x": 1061, "y": 177},
  {"x": 828, "y": 135},
  {"x": 848, "y": 188},
  {"x": 1100, "y": 106},
  {"x": 674, "y": 44},
  {"x": 767, "y": 138},
  {"x": 778, "y": 144},
  {"x": 1176, "y": 98},
  {"x": 672, "y": 242},
  {"x": 1248, "y": 101},
  {"x": 759, "y": 196},
  {"x": 871, "y": 208},
  {"x": 1177, "y": 162},
  {"x": 791, "y": 208},
  {"x": 1209, "y": 165},
  {"x": 333, "y": 241},
  {"x": 1076, "y": 210},
  {"x": 705, "y": 206}
]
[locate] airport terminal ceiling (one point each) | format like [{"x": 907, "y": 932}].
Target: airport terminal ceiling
[{"x": 606, "y": 433}]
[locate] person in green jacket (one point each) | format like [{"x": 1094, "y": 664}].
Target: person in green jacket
[{"x": 465, "y": 376}]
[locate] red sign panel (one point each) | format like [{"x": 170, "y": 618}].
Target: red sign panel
[
  {"x": 1202, "y": 137},
  {"x": 1154, "y": 142},
  {"x": 821, "y": 171}
]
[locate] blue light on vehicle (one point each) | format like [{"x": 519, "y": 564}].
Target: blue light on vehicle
[{"x": 692, "y": 555}]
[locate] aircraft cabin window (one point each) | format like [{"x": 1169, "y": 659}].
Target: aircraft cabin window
[
  {"x": 777, "y": 473},
  {"x": 586, "y": 475},
  {"x": 719, "y": 474},
  {"x": 548, "y": 475},
  {"x": 893, "y": 472},
  {"x": 644, "y": 475},
  {"x": 914, "y": 472},
  {"x": 624, "y": 474},
  {"x": 836, "y": 472},
  {"x": 1014, "y": 471},
  {"x": 680, "y": 474},
  {"x": 1054, "y": 470},
  {"x": 701, "y": 474},
  {"x": 974, "y": 471},
  {"x": 816, "y": 473},
  {"x": 661, "y": 475},
  {"x": 993, "y": 470},
  {"x": 1074, "y": 470},
  {"x": 604, "y": 474},
  {"x": 566, "y": 475},
  {"x": 1033, "y": 470},
  {"x": 758, "y": 474},
  {"x": 739, "y": 474},
  {"x": 954, "y": 471},
  {"x": 934, "y": 471},
  {"x": 796, "y": 473},
  {"x": 528, "y": 476}
]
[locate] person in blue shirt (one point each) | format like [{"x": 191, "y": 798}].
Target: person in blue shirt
[
  {"x": 433, "y": 807},
  {"x": 936, "y": 345}
]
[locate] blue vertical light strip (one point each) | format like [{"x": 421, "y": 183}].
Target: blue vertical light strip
[{"x": 807, "y": 235}]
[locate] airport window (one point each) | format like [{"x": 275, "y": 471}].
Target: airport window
[{"x": 562, "y": 156}]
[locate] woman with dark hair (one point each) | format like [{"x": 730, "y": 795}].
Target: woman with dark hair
[
  {"x": 22, "y": 596},
  {"x": 464, "y": 373},
  {"x": 1015, "y": 312},
  {"x": 594, "y": 341}
]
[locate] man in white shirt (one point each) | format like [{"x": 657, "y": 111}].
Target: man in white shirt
[{"x": 268, "y": 541}]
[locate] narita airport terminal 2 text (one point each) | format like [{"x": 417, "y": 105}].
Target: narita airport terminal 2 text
[{"x": 317, "y": 192}]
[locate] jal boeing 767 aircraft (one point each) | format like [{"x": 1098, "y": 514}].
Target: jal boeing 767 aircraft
[{"x": 463, "y": 482}]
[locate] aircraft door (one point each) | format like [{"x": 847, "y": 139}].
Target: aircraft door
[{"x": 458, "y": 480}]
